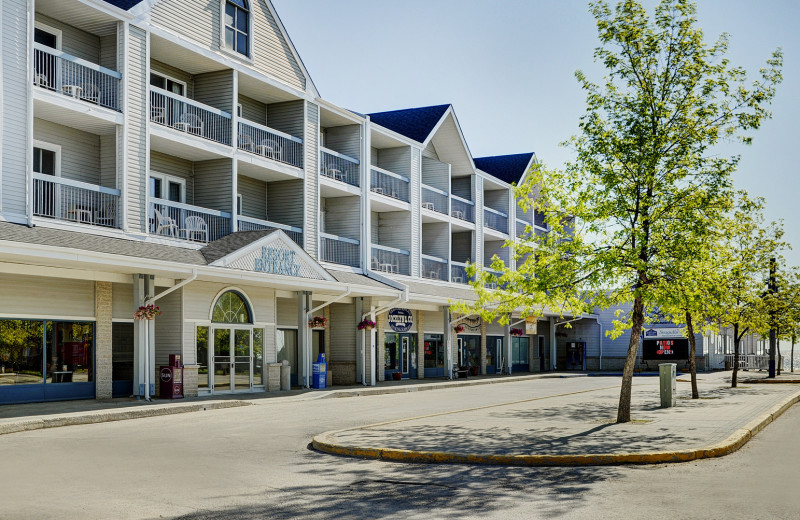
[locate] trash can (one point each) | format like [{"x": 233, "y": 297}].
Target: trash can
[
  {"x": 319, "y": 373},
  {"x": 668, "y": 384},
  {"x": 286, "y": 376}
]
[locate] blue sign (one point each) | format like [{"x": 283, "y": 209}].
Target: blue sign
[
  {"x": 650, "y": 333},
  {"x": 400, "y": 320},
  {"x": 277, "y": 261}
]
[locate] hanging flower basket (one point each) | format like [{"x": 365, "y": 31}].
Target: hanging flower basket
[
  {"x": 458, "y": 328},
  {"x": 317, "y": 322},
  {"x": 147, "y": 312},
  {"x": 517, "y": 332},
  {"x": 366, "y": 325}
]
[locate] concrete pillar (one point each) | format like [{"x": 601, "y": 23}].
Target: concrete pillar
[
  {"x": 483, "y": 348},
  {"x": 143, "y": 286},
  {"x": 420, "y": 344},
  {"x": 553, "y": 347},
  {"x": 380, "y": 347},
  {"x": 449, "y": 344},
  {"x": 361, "y": 336},
  {"x": 303, "y": 338},
  {"x": 103, "y": 339}
]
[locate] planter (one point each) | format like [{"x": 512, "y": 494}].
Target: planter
[
  {"x": 397, "y": 376},
  {"x": 473, "y": 371}
]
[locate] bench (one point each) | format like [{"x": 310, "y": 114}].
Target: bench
[{"x": 460, "y": 372}]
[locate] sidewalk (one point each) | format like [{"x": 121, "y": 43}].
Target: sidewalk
[
  {"x": 579, "y": 429},
  {"x": 34, "y": 416}
]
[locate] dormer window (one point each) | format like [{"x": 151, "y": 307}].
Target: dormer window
[{"x": 237, "y": 26}]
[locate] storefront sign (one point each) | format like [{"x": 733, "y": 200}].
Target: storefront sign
[
  {"x": 400, "y": 320},
  {"x": 277, "y": 261},
  {"x": 664, "y": 332},
  {"x": 472, "y": 323},
  {"x": 665, "y": 349},
  {"x": 531, "y": 326}
]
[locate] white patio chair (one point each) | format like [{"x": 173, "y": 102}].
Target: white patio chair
[
  {"x": 270, "y": 148},
  {"x": 331, "y": 170},
  {"x": 195, "y": 226},
  {"x": 165, "y": 225},
  {"x": 246, "y": 143},
  {"x": 105, "y": 216},
  {"x": 158, "y": 114},
  {"x": 90, "y": 92},
  {"x": 191, "y": 123}
]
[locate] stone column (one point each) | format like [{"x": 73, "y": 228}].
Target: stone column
[
  {"x": 103, "y": 340},
  {"x": 483, "y": 347},
  {"x": 420, "y": 344}
]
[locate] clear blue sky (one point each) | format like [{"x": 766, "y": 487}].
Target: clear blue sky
[{"x": 507, "y": 67}]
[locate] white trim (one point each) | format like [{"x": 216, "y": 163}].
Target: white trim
[
  {"x": 167, "y": 78},
  {"x": 49, "y": 29},
  {"x": 165, "y": 180},
  {"x": 250, "y": 32},
  {"x": 122, "y": 162},
  {"x": 55, "y": 148}
]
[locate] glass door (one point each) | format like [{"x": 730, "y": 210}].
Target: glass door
[
  {"x": 405, "y": 355},
  {"x": 222, "y": 360},
  {"x": 233, "y": 359},
  {"x": 242, "y": 360}
]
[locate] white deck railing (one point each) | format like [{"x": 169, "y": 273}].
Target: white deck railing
[
  {"x": 190, "y": 116},
  {"x": 434, "y": 268},
  {"x": 458, "y": 273},
  {"x": 434, "y": 199},
  {"x": 255, "y": 224},
  {"x": 339, "y": 167},
  {"x": 746, "y": 361},
  {"x": 66, "y": 199},
  {"x": 390, "y": 260},
  {"x": 388, "y": 183},
  {"x": 462, "y": 209},
  {"x": 496, "y": 220},
  {"x": 340, "y": 250},
  {"x": 187, "y": 222},
  {"x": 80, "y": 79},
  {"x": 268, "y": 142}
]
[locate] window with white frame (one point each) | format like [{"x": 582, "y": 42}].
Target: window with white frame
[
  {"x": 167, "y": 187},
  {"x": 46, "y": 158},
  {"x": 237, "y": 26}
]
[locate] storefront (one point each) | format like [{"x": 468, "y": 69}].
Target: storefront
[
  {"x": 434, "y": 355},
  {"x": 520, "y": 354}
]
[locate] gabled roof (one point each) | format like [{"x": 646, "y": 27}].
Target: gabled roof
[
  {"x": 123, "y": 4},
  {"x": 507, "y": 168},
  {"x": 414, "y": 123}
]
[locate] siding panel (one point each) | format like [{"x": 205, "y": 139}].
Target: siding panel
[
  {"x": 215, "y": 89},
  {"x": 13, "y": 175},
  {"x": 343, "y": 217},
  {"x": 344, "y": 139},
  {"x": 285, "y": 202},
  {"x": 169, "y": 327},
  {"x": 80, "y": 151},
  {"x": 254, "y": 197},
  {"x": 343, "y": 332},
  {"x": 213, "y": 187},
  {"x": 177, "y": 167},
  {"x": 78, "y": 43},
  {"x": 312, "y": 205},
  {"x": 137, "y": 138},
  {"x": 286, "y": 117},
  {"x": 47, "y": 297},
  {"x": 256, "y": 111}
]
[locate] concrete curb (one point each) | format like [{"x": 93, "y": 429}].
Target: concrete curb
[
  {"x": 114, "y": 415},
  {"x": 324, "y": 442}
]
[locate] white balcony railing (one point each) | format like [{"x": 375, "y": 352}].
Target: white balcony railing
[
  {"x": 339, "y": 167},
  {"x": 187, "y": 222},
  {"x": 521, "y": 227},
  {"x": 66, "y": 199},
  {"x": 434, "y": 268},
  {"x": 190, "y": 116},
  {"x": 389, "y": 184},
  {"x": 340, "y": 250},
  {"x": 462, "y": 209},
  {"x": 254, "y": 224},
  {"x": 80, "y": 79},
  {"x": 390, "y": 260},
  {"x": 270, "y": 143},
  {"x": 434, "y": 199},
  {"x": 458, "y": 273},
  {"x": 496, "y": 220}
]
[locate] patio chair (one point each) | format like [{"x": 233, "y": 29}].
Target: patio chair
[
  {"x": 190, "y": 123},
  {"x": 246, "y": 143},
  {"x": 90, "y": 92},
  {"x": 41, "y": 80},
  {"x": 165, "y": 225},
  {"x": 106, "y": 215},
  {"x": 270, "y": 148},
  {"x": 158, "y": 114},
  {"x": 332, "y": 171},
  {"x": 195, "y": 226}
]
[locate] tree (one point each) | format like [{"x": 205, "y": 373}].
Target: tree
[
  {"x": 645, "y": 148},
  {"x": 784, "y": 305}
]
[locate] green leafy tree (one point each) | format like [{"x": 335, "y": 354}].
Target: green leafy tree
[
  {"x": 646, "y": 147},
  {"x": 784, "y": 305}
]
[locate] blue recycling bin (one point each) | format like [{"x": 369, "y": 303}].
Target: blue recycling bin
[{"x": 319, "y": 373}]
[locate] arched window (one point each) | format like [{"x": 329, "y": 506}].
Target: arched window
[
  {"x": 231, "y": 307},
  {"x": 237, "y": 26}
]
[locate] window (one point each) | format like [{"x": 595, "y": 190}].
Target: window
[
  {"x": 167, "y": 187},
  {"x": 46, "y": 158},
  {"x": 231, "y": 307},
  {"x": 168, "y": 84},
  {"x": 237, "y": 26},
  {"x": 238, "y": 203}
]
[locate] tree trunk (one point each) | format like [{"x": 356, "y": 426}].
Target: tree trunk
[
  {"x": 735, "y": 355},
  {"x": 791, "y": 361},
  {"x": 778, "y": 360},
  {"x": 692, "y": 352},
  {"x": 624, "y": 410}
]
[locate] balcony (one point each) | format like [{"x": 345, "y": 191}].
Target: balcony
[
  {"x": 521, "y": 227},
  {"x": 270, "y": 143},
  {"x": 389, "y": 184},
  {"x": 339, "y": 167},
  {"x": 434, "y": 199},
  {"x": 75, "y": 201},
  {"x": 75, "y": 78},
  {"x": 340, "y": 250},
  {"x": 458, "y": 273},
  {"x": 189, "y": 116},
  {"x": 254, "y": 224},
  {"x": 462, "y": 209},
  {"x": 434, "y": 268},
  {"x": 390, "y": 260},
  {"x": 496, "y": 220},
  {"x": 187, "y": 222}
]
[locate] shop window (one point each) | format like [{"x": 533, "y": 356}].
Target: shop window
[
  {"x": 122, "y": 352},
  {"x": 21, "y": 353},
  {"x": 231, "y": 307},
  {"x": 434, "y": 351},
  {"x": 519, "y": 351},
  {"x": 70, "y": 352}
]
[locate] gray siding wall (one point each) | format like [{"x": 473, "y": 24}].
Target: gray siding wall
[
  {"x": 343, "y": 332},
  {"x": 436, "y": 239},
  {"x": 174, "y": 73},
  {"x": 176, "y": 166},
  {"x": 397, "y": 160},
  {"x": 436, "y": 174},
  {"x": 496, "y": 199},
  {"x": 108, "y": 52},
  {"x": 46, "y": 297},
  {"x": 434, "y": 322},
  {"x": 108, "y": 160},
  {"x": 285, "y": 202},
  {"x": 343, "y": 217},
  {"x": 344, "y": 139},
  {"x": 122, "y": 301},
  {"x": 614, "y": 347},
  {"x": 137, "y": 138},
  {"x": 527, "y": 216},
  {"x": 80, "y": 151},
  {"x": 255, "y": 111},
  {"x": 373, "y": 156},
  {"x": 416, "y": 212},
  {"x": 14, "y": 149},
  {"x": 374, "y": 221},
  {"x": 79, "y": 43},
  {"x": 214, "y": 184},
  {"x": 286, "y": 117},
  {"x": 271, "y": 53},
  {"x": 312, "y": 203},
  {"x": 254, "y": 197},
  {"x": 462, "y": 187},
  {"x": 286, "y": 311},
  {"x": 462, "y": 247},
  {"x": 169, "y": 327},
  {"x": 478, "y": 251},
  {"x": 495, "y": 247},
  {"x": 393, "y": 229},
  {"x": 215, "y": 89},
  {"x": 430, "y": 151}
]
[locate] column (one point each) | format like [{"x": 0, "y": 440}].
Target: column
[
  {"x": 420, "y": 344},
  {"x": 507, "y": 345},
  {"x": 303, "y": 338},
  {"x": 103, "y": 340},
  {"x": 380, "y": 348},
  {"x": 483, "y": 348},
  {"x": 449, "y": 343},
  {"x": 553, "y": 348}
]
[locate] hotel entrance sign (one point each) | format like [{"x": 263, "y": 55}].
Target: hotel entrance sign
[{"x": 277, "y": 261}]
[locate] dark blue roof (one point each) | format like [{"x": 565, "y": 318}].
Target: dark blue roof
[
  {"x": 508, "y": 168},
  {"x": 414, "y": 123},
  {"x": 124, "y": 4}
]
